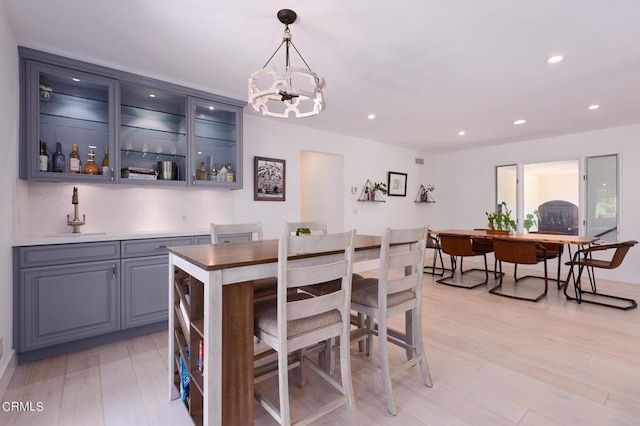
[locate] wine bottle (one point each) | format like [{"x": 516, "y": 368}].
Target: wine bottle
[
  {"x": 59, "y": 160},
  {"x": 105, "y": 162},
  {"x": 91, "y": 168},
  {"x": 44, "y": 164},
  {"x": 74, "y": 159}
]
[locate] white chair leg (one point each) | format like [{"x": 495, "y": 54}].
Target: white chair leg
[
  {"x": 283, "y": 387},
  {"x": 384, "y": 365},
  {"x": 302, "y": 379},
  {"x": 419, "y": 345},
  {"x": 368, "y": 335},
  {"x": 331, "y": 356},
  {"x": 345, "y": 372}
]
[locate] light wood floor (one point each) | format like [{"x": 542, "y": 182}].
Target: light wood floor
[{"x": 493, "y": 361}]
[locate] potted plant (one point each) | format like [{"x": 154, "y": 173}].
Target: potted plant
[
  {"x": 531, "y": 220},
  {"x": 376, "y": 187}
]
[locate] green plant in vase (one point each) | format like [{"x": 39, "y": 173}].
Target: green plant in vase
[
  {"x": 531, "y": 220},
  {"x": 376, "y": 187}
]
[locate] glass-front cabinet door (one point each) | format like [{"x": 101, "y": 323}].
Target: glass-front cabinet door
[
  {"x": 70, "y": 129},
  {"x": 216, "y": 153},
  {"x": 153, "y": 136}
]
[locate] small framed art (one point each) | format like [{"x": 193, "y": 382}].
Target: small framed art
[
  {"x": 397, "y": 184},
  {"x": 269, "y": 183}
]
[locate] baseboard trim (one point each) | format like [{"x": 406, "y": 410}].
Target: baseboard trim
[{"x": 7, "y": 373}]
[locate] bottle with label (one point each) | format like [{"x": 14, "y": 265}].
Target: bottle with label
[
  {"x": 213, "y": 175},
  {"x": 91, "y": 168},
  {"x": 222, "y": 173},
  {"x": 202, "y": 173},
  {"x": 105, "y": 162},
  {"x": 229, "y": 173},
  {"x": 44, "y": 164},
  {"x": 74, "y": 159},
  {"x": 59, "y": 160}
]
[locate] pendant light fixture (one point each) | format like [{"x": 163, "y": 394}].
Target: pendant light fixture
[{"x": 298, "y": 90}]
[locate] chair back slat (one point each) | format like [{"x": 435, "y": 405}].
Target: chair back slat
[
  {"x": 515, "y": 251},
  {"x": 400, "y": 260},
  {"x": 236, "y": 232},
  {"x": 401, "y": 284},
  {"x": 300, "y": 277}
]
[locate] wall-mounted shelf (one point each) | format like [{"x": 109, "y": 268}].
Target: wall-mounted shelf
[
  {"x": 423, "y": 195},
  {"x": 368, "y": 194}
]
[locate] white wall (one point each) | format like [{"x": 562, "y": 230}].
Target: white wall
[
  {"x": 467, "y": 179},
  {"x": 9, "y": 105}
]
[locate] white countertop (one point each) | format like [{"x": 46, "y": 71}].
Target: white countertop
[{"x": 96, "y": 237}]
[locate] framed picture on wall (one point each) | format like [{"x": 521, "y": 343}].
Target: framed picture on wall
[
  {"x": 397, "y": 184},
  {"x": 269, "y": 183}
]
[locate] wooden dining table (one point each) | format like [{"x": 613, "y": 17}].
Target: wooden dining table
[
  {"x": 227, "y": 272},
  {"x": 537, "y": 237}
]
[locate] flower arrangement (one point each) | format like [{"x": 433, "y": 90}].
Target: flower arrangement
[
  {"x": 377, "y": 187},
  {"x": 501, "y": 221},
  {"x": 424, "y": 193}
]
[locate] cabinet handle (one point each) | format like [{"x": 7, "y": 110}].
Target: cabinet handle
[
  {"x": 113, "y": 270},
  {"x": 163, "y": 246},
  {"x": 111, "y": 174},
  {"x": 193, "y": 178}
]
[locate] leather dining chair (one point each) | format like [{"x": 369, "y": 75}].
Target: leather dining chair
[
  {"x": 519, "y": 252},
  {"x": 242, "y": 232},
  {"x": 434, "y": 244},
  {"x": 396, "y": 291},
  {"x": 553, "y": 250},
  {"x": 290, "y": 323},
  {"x": 463, "y": 246},
  {"x": 583, "y": 259}
]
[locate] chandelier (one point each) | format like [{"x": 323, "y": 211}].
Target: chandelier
[{"x": 298, "y": 90}]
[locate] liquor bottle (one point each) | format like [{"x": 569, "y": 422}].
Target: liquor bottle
[
  {"x": 74, "y": 159},
  {"x": 105, "y": 162},
  {"x": 59, "y": 160},
  {"x": 44, "y": 164},
  {"x": 229, "y": 173},
  {"x": 91, "y": 168},
  {"x": 223, "y": 173},
  {"x": 202, "y": 173},
  {"x": 213, "y": 175}
]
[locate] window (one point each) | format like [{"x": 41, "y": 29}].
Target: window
[{"x": 601, "y": 181}]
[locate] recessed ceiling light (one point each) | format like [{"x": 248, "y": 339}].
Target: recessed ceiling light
[
  {"x": 371, "y": 116},
  {"x": 199, "y": 152},
  {"x": 75, "y": 79},
  {"x": 594, "y": 106},
  {"x": 211, "y": 108},
  {"x": 462, "y": 133},
  {"x": 555, "y": 59},
  {"x": 152, "y": 95},
  {"x": 520, "y": 121}
]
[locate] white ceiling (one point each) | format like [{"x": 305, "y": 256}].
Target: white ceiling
[{"x": 426, "y": 68}]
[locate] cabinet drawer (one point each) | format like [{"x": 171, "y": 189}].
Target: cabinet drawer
[
  {"x": 153, "y": 246},
  {"x": 61, "y": 254}
]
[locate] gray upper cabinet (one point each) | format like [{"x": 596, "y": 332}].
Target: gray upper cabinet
[
  {"x": 156, "y": 133},
  {"x": 67, "y": 107},
  {"x": 216, "y": 135}
]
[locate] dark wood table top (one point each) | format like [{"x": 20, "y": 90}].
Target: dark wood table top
[
  {"x": 213, "y": 257},
  {"x": 537, "y": 237}
]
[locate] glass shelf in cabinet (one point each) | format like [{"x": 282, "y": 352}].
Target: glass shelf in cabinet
[
  {"x": 217, "y": 125},
  {"x": 224, "y": 143},
  {"x": 74, "y": 122},
  {"x": 58, "y": 99},
  {"x": 150, "y": 114},
  {"x": 151, "y": 155},
  {"x": 128, "y": 131}
]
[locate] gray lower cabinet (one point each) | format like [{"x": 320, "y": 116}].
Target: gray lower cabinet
[
  {"x": 69, "y": 296},
  {"x": 145, "y": 298},
  {"x": 69, "y": 302}
]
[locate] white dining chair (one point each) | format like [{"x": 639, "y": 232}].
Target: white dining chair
[
  {"x": 294, "y": 321},
  {"x": 397, "y": 290}
]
